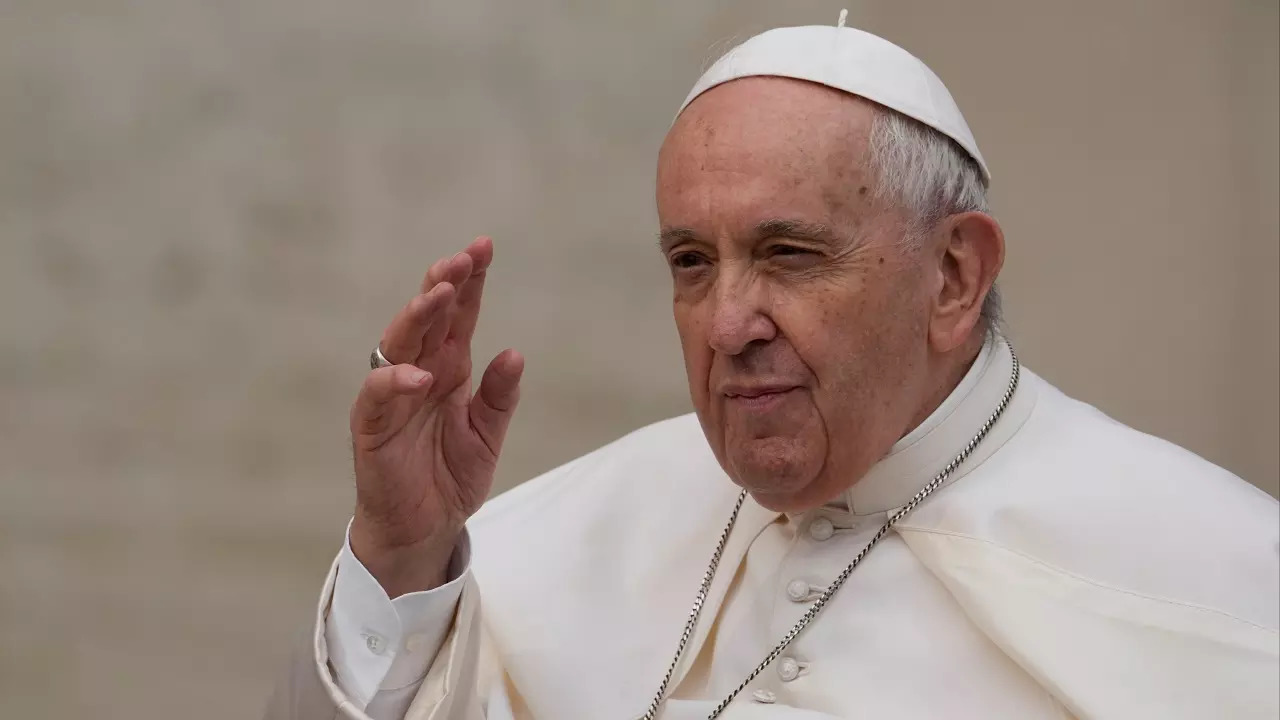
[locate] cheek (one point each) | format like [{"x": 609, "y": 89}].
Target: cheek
[
  {"x": 694, "y": 345},
  {"x": 863, "y": 355},
  {"x": 816, "y": 329},
  {"x": 840, "y": 340},
  {"x": 698, "y": 358}
]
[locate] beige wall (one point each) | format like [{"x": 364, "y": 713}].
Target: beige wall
[{"x": 209, "y": 209}]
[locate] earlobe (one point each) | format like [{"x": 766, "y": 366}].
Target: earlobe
[{"x": 971, "y": 254}]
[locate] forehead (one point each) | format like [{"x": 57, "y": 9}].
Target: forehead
[{"x": 765, "y": 147}]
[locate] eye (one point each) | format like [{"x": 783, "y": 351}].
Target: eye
[
  {"x": 687, "y": 260},
  {"x": 788, "y": 250},
  {"x": 791, "y": 251}
]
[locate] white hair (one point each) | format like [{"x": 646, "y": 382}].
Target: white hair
[{"x": 929, "y": 175}]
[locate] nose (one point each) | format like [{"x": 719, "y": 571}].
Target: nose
[{"x": 738, "y": 316}]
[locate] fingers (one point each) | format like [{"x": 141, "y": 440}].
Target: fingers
[
  {"x": 449, "y": 305},
  {"x": 370, "y": 414},
  {"x": 494, "y": 403},
  {"x": 454, "y": 269},
  {"x": 481, "y": 252},
  {"x": 403, "y": 340},
  {"x": 463, "y": 324},
  {"x": 466, "y": 271},
  {"x": 457, "y": 271}
]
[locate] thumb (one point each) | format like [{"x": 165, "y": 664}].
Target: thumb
[{"x": 495, "y": 402}]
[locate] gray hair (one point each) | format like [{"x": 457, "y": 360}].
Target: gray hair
[{"x": 931, "y": 176}]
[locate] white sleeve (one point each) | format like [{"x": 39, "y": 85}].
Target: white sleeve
[{"x": 380, "y": 649}]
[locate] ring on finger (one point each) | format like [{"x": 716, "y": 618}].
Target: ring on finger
[{"x": 377, "y": 359}]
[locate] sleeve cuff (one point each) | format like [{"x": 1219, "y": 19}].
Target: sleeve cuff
[{"x": 376, "y": 643}]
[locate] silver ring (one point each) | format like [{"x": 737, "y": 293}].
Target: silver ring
[{"x": 377, "y": 359}]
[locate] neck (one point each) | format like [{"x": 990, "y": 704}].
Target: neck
[
  {"x": 945, "y": 374},
  {"x": 984, "y": 372}
]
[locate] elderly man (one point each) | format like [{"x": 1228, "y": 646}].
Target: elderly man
[{"x": 875, "y": 511}]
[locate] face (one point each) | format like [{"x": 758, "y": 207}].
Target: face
[{"x": 802, "y": 313}]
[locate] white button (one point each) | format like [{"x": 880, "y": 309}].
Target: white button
[
  {"x": 797, "y": 590},
  {"x": 764, "y": 696},
  {"x": 376, "y": 643},
  {"x": 821, "y": 529},
  {"x": 788, "y": 669}
]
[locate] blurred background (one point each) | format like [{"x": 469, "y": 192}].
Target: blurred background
[{"x": 209, "y": 210}]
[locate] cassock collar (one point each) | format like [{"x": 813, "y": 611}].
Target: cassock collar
[{"x": 918, "y": 456}]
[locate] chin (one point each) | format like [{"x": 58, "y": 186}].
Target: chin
[{"x": 781, "y": 483}]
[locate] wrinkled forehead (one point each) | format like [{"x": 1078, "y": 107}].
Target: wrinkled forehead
[
  {"x": 770, "y": 110},
  {"x": 755, "y": 138}
]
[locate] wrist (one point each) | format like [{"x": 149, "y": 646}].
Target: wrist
[{"x": 403, "y": 568}]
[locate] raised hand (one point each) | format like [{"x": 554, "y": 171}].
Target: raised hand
[{"x": 425, "y": 446}]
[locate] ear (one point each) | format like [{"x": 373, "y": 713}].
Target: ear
[{"x": 970, "y": 250}]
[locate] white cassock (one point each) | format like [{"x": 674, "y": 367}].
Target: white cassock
[{"x": 1071, "y": 568}]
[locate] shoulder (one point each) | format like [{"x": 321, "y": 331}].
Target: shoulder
[
  {"x": 657, "y": 453},
  {"x": 1106, "y": 460},
  {"x": 1079, "y": 492},
  {"x": 619, "y": 495}
]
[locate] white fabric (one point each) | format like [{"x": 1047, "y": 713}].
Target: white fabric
[
  {"x": 851, "y": 60},
  {"x": 1073, "y": 568},
  {"x": 380, "y": 649}
]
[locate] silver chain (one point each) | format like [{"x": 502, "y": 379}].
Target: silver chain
[{"x": 652, "y": 711}]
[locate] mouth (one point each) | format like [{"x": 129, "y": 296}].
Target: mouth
[{"x": 758, "y": 398}]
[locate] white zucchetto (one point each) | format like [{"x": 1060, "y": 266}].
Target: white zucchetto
[{"x": 851, "y": 60}]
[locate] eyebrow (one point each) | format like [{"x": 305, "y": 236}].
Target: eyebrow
[
  {"x": 795, "y": 229},
  {"x": 670, "y": 237},
  {"x": 771, "y": 228}
]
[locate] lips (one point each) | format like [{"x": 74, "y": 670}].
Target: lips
[
  {"x": 757, "y": 400},
  {"x": 756, "y": 391}
]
